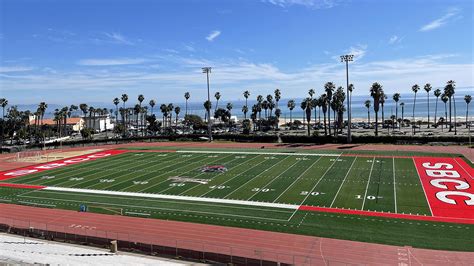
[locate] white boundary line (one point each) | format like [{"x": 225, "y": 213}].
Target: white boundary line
[
  {"x": 368, "y": 182},
  {"x": 302, "y": 174},
  {"x": 421, "y": 181},
  {"x": 266, "y": 153},
  {"x": 337, "y": 193},
  {"x": 462, "y": 167},
  {"x": 174, "y": 197},
  {"x": 394, "y": 186}
]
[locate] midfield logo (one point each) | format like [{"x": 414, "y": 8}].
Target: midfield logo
[{"x": 214, "y": 169}]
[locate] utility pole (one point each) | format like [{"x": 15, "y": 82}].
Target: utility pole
[
  {"x": 348, "y": 58},
  {"x": 207, "y": 70}
]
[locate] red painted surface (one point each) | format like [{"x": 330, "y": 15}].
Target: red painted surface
[
  {"x": 388, "y": 215},
  {"x": 21, "y": 186},
  {"x": 58, "y": 163},
  {"x": 441, "y": 177}
]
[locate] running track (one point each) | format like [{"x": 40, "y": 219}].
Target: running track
[{"x": 287, "y": 248}]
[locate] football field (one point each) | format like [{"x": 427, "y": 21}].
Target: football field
[{"x": 305, "y": 192}]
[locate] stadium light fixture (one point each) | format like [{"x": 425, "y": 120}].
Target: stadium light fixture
[
  {"x": 348, "y": 58},
  {"x": 207, "y": 70}
]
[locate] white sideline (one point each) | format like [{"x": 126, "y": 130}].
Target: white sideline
[
  {"x": 264, "y": 153},
  {"x": 174, "y": 197}
]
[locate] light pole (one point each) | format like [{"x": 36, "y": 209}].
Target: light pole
[
  {"x": 207, "y": 70},
  {"x": 348, "y": 58}
]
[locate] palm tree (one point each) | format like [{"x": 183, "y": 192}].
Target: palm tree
[
  {"x": 91, "y": 111},
  {"x": 311, "y": 92},
  {"x": 136, "y": 110},
  {"x": 437, "y": 93},
  {"x": 246, "y": 96},
  {"x": 445, "y": 99},
  {"x": 376, "y": 92},
  {"x": 428, "y": 88},
  {"x": 329, "y": 88},
  {"x": 383, "y": 97},
  {"x": 245, "y": 109},
  {"x": 164, "y": 111},
  {"x": 324, "y": 105},
  {"x": 3, "y": 103},
  {"x": 367, "y": 105},
  {"x": 415, "y": 88},
  {"x": 306, "y": 105},
  {"x": 291, "y": 105},
  {"x": 270, "y": 103},
  {"x": 217, "y": 96},
  {"x": 396, "y": 98},
  {"x": 116, "y": 101},
  {"x": 124, "y": 100},
  {"x": 277, "y": 96},
  {"x": 177, "y": 110},
  {"x": 186, "y": 96},
  {"x": 152, "y": 104},
  {"x": 208, "y": 106},
  {"x": 402, "y": 104},
  {"x": 229, "y": 107},
  {"x": 349, "y": 101},
  {"x": 467, "y": 99},
  {"x": 449, "y": 91},
  {"x": 170, "y": 108}
]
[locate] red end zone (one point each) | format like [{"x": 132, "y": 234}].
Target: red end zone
[
  {"x": 55, "y": 164},
  {"x": 448, "y": 186}
]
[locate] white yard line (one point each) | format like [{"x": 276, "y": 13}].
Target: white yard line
[
  {"x": 228, "y": 180},
  {"x": 462, "y": 167},
  {"x": 311, "y": 166},
  {"x": 322, "y": 177},
  {"x": 421, "y": 181},
  {"x": 252, "y": 179},
  {"x": 219, "y": 174},
  {"x": 266, "y": 153},
  {"x": 337, "y": 193},
  {"x": 213, "y": 161},
  {"x": 273, "y": 179},
  {"x": 174, "y": 197},
  {"x": 368, "y": 182},
  {"x": 394, "y": 186}
]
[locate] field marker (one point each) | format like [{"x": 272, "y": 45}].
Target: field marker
[
  {"x": 368, "y": 182},
  {"x": 311, "y": 166},
  {"x": 394, "y": 186},
  {"x": 337, "y": 193},
  {"x": 419, "y": 177}
]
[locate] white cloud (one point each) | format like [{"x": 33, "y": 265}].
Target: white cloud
[
  {"x": 395, "y": 39},
  {"x": 214, "y": 34},
  {"x": 117, "y": 38},
  {"x": 189, "y": 48},
  {"x": 452, "y": 12},
  {"x": 111, "y": 62},
  {"x": 8, "y": 69},
  {"x": 314, "y": 4},
  {"x": 358, "y": 51}
]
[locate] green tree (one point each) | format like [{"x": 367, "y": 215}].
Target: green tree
[
  {"x": 186, "y": 97},
  {"x": 376, "y": 92},
  {"x": 467, "y": 99},
  {"x": 367, "y": 105},
  {"x": 445, "y": 99},
  {"x": 152, "y": 104},
  {"x": 396, "y": 98},
  {"x": 436, "y": 93},
  {"x": 415, "y": 88},
  {"x": 428, "y": 88},
  {"x": 116, "y": 101},
  {"x": 306, "y": 105},
  {"x": 449, "y": 91},
  {"x": 291, "y": 105},
  {"x": 217, "y": 95},
  {"x": 329, "y": 89}
]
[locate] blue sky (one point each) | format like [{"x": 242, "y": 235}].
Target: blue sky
[{"x": 78, "y": 51}]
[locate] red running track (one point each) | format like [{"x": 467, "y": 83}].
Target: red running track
[{"x": 285, "y": 248}]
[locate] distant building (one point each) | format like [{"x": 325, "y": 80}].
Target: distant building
[
  {"x": 99, "y": 123},
  {"x": 74, "y": 124}
]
